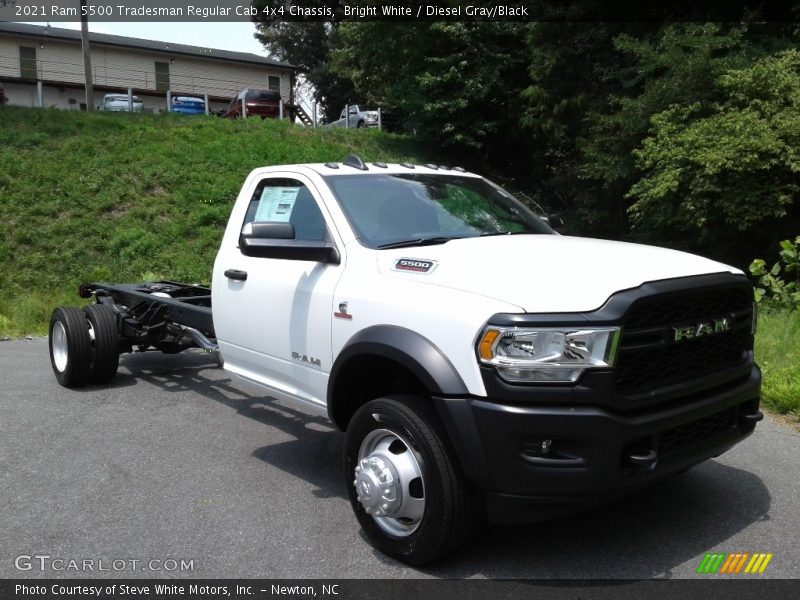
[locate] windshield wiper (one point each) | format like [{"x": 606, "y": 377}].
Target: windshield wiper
[
  {"x": 427, "y": 241},
  {"x": 493, "y": 233}
]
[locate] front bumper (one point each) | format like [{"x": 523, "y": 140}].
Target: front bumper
[{"x": 590, "y": 454}]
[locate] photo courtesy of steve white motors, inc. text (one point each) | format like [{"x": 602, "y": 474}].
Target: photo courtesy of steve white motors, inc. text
[{"x": 174, "y": 589}]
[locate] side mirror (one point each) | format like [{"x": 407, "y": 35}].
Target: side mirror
[
  {"x": 277, "y": 240},
  {"x": 554, "y": 221}
]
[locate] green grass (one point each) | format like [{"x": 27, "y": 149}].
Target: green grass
[
  {"x": 778, "y": 355},
  {"x": 126, "y": 197}
]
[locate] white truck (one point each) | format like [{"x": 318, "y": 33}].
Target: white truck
[
  {"x": 478, "y": 362},
  {"x": 356, "y": 117}
]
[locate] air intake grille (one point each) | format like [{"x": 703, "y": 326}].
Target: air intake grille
[
  {"x": 650, "y": 357},
  {"x": 684, "y": 436}
]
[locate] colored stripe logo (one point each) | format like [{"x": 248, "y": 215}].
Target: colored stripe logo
[{"x": 734, "y": 563}]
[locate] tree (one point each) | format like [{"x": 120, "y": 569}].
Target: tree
[
  {"x": 723, "y": 175},
  {"x": 306, "y": 45},
  {"x": 457, "y": 83}
]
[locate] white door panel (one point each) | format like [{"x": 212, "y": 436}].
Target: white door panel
[{"x": 274, "y": 328}]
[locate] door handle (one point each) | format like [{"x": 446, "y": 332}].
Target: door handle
[{"x": 236, "y": 274}]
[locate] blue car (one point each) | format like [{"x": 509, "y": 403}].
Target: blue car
[{"x": 187, "y": 105}]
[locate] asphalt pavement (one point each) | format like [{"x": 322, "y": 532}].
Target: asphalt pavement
[{"x": 175, "y": 462}]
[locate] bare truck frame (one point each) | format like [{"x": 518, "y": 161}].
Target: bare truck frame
[{"x": 161, "y": 315}]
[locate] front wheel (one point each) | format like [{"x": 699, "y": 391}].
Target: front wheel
[
  {"x": 361, "y": 125},
  {"x": 404, "y": 484}
]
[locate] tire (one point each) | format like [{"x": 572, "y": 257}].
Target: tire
[
  {"x": 70, "y": 346},
  {"x": 430, "y": 507},
  {"x": 105, "y": 345},
  {"x": 361, "y": 125}
]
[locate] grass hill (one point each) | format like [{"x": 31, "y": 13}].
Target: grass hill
[{"x": 128, "y": 197}]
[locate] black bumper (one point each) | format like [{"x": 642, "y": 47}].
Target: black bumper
[{"x": 542, "y": 460}]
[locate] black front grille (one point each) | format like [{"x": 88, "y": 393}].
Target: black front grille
[
  {"x": 650, "y": 358},
  {"x": 669, "y": 309},
  {"x": 683, "y": 436}
]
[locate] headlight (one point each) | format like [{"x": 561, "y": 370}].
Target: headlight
[{"x": 548, "y": 354}]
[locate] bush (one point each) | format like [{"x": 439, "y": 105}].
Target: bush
[{"x": 779, "y": 287}]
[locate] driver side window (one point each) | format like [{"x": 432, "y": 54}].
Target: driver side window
[{"x": 287, "y": 201}]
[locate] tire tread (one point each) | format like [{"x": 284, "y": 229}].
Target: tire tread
[{"x": 106, "y": 343}]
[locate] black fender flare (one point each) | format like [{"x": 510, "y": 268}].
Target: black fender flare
[
  {"x": 449, "y": 394},
  {"x": 407, "y": 348}
]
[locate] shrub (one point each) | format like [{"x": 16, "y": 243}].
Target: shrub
[{"x": 779, "y": 286}]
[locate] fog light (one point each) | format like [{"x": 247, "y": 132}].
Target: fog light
[{"x": 545, "y": 452}]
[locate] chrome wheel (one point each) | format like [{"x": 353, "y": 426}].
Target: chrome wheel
[
  {"x": 389, "y": 484},
  {"x": 60, "y": 347}
]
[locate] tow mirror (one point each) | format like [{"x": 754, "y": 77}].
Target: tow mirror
[{"x": 277, "y": 240}]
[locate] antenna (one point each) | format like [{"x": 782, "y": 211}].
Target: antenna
[{"x": 354, "y": 160}]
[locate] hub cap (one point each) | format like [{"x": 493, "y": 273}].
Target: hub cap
[{"x": 388, "y": 483}]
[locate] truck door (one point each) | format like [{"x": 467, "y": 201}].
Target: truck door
[{"x": 272, "y": 316}]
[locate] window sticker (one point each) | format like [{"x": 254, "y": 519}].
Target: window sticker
[{"x": 276, "y": 204}]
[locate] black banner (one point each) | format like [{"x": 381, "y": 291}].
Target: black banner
[
  {"x": 346, "y": 589},
  {"x": 43, "y": 11}
]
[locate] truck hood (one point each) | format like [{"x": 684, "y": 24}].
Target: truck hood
[{"x": 542, "y": 273}]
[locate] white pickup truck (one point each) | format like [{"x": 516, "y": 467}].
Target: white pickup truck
[
  {"x": 356, "y": 117},
  {"x": 478, "y": 362}
]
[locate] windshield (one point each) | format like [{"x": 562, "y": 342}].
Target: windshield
[
  {"x": 263, "y": 96},
  {"x": 388, "y": 210},
  {"x": 121, "y": 99}
]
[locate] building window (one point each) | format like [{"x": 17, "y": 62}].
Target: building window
[
  {"x": 27, "y": 63},
  {"x": 162, "y": 76},
  {"x": 274, "y": 83}
]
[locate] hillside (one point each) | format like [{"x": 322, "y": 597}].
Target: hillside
[{"x": 119, "y": 197}]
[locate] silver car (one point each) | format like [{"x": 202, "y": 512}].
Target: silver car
[
  {"x": 119, "y": 103},
  {"x": 358, "y": 118}
]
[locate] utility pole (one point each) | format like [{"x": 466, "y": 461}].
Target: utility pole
[{"x": 87, "y": 57}]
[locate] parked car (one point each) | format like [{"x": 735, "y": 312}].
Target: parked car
[
  {"x": 188, "y": 105},
  {"x": 260, "y": 103},
  {"x": 119, "y": 103},
  {"x": 358, "y": 118}
]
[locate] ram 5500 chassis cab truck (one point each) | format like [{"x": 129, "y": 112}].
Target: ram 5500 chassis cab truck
[{"x": 478, "y": 362}]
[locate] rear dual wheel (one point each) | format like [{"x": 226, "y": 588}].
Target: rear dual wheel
[
  {"x": 105, "y": 343},
  {"x": 84, "y": 345}
]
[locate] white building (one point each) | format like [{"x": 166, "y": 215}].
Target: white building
[{"x": 31, "y": 53}]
